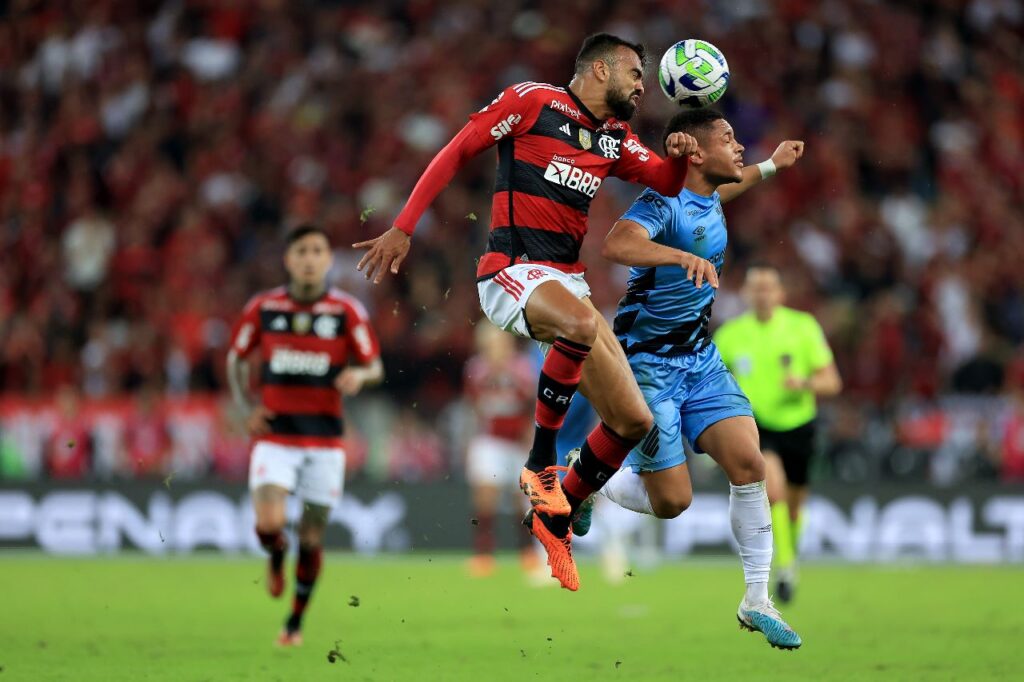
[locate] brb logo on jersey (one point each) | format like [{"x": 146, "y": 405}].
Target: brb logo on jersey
[
  {"x": 287, "y": 361},
  {"x": 562, "y": 173},
  {"x": 505, "y": 127}
]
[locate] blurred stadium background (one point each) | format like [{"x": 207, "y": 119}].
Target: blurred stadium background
[{"x": 152, "y": 155}]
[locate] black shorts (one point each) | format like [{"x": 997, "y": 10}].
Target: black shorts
[{"x": 793, "y": 447}]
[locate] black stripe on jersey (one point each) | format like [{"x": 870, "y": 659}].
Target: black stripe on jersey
[
  {"x": 686, "y": 338},
  {"x": 529, "y": 179},
  {"x": 307, "y": 425},
  {"x": 557, "y": 247},
  {"x": 639, "y": 289},
  {"x": 624, "y": 321},
  {"x": 551, "y": 123},
  {"x": 506, "y": 163},
  {"x": 283, "y": 322},
  {"x": 307, "y": 380}
]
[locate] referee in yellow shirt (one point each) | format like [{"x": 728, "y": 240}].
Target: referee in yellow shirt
[{"x": 782, "y": 361}]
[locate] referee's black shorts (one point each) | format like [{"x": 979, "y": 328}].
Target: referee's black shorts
[{"x": 793, "y": 447}]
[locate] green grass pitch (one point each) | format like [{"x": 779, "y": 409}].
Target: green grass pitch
[{"x": 420, "y": 618}]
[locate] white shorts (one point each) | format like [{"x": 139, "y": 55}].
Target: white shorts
[
  {"x": 494, "y": 461},
  {"x": 316, "y": 475},
  {"x": 503, "y": 297}
]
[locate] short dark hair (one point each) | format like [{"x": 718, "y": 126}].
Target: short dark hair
[
  {"x": 694, "y": 122},
  {"x": 764, "y": 265},
  {"x": 304, "y": 230},
  {"x": 601, "y": 46}
]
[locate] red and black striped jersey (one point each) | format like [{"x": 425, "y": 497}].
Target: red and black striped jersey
[
  {"x": 553, "y": 155},
  {"x": 304, "y": 347},
  {"x": 503, "y": 396}
]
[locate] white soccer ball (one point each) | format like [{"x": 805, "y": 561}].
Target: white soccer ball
[{"x": 693, "y": 73}]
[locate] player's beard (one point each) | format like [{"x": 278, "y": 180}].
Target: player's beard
[{"x": 619, "y": 103}]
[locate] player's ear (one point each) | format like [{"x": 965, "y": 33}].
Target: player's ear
[{"x": 601, "y": 69}]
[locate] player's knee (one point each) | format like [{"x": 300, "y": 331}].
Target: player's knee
[
  {"x": 748, "y": 467},
  {"x": 581, "y": 326},
  {"x": 671, "y": 505},
  {"x": 634, "y": 425}
]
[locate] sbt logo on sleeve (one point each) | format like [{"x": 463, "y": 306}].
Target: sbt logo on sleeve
[
  {"x": 287, "y": 361},
  {"x": 570, "y": 176},
  {"x": 505, "y": 127}
]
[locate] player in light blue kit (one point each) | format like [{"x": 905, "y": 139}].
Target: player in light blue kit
[{"x": 674, "y": 244}]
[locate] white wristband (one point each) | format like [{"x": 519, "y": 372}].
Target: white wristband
[{"x": 767, "y": 169}]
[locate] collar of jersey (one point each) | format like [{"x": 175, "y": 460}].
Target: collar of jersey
[
  {"x": 594, "y": 120},
  {"x": 690, "y": 195}
]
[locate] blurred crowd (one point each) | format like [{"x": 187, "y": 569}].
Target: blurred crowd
[{"x": 152, "y": 154}]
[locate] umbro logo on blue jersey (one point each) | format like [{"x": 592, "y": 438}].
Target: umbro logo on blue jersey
[{"x": 699, "y": 231}]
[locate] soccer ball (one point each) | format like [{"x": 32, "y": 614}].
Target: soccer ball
[{"x": 693, "y": 73}]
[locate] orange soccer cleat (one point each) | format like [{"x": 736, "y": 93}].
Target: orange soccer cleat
[
  {"x": 559, "y": 552},
  {"x": 545, "y": 490},
  {"x": 287, "y": 638},
  {"x": 481, "y": 566}
]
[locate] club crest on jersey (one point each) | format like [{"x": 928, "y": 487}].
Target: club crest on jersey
[
  {"x": 609, "y": 146},
  {"x": 535, "y": 273},
  {"x": 585, "y": 140},
  {"x": 326, "y": 326},
  {"x": 301, "y": 322}
]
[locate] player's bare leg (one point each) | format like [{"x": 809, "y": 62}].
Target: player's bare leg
[
  {"x": 607, "y": 380},
  {"x": 733, "y": 443},
  {"x": 307, "y": 568},
  {"x": 269, "y": 504},
  {"x": 485, "y": 507}
]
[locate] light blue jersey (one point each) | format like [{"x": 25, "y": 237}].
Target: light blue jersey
[
  {"x": 663, "y": 312},
  {"x": 662, "y": 324}
]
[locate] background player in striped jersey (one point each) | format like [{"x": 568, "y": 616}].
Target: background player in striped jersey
[
  {"x": 555, "y": 147},
  {"x": 500, "y": 384},
  {"x": 317, "y": 345},
  {"x": 662, "y": 323}
]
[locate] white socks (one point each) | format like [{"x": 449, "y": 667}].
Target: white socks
[
  {"x": 749, "y": 514},
  {"x": 626, "y": 489},
  {"x": 752, "y": 527}
]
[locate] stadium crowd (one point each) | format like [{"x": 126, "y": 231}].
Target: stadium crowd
[{"x": 153, "y": 153}]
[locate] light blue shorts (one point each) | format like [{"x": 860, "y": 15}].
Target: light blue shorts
[{"x": 686, "y": 394}]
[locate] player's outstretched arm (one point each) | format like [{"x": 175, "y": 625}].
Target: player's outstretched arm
[
  {"x": 354, "y": 379},
  {"x": 665, "y": 176},
  {"x": 386, "y": 252},
  {"x": 629, "y": 243},
  {"x": 786, "y": 154}
]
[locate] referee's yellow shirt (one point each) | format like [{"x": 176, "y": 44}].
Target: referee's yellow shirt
[{"x": 761, "y": 354}]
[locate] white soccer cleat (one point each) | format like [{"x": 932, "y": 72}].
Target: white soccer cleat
[{"x": 767, "y": 620}]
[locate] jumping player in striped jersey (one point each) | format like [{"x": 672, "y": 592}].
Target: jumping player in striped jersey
[
  {"x": 317, "y": 345},
  {"x": 556, "y": 145}
]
